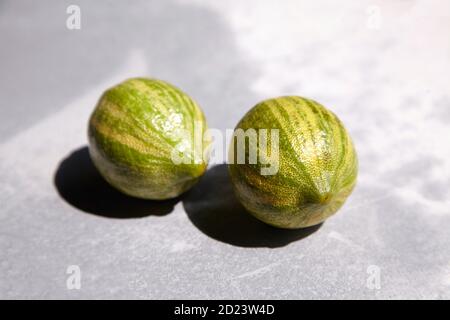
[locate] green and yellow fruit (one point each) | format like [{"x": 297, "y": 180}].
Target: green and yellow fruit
[
  {"x": 316, "y": 163},
  {"x": 137, "y": 130}
]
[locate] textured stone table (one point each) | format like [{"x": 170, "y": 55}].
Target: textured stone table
[{"x": 383, "y": 67}]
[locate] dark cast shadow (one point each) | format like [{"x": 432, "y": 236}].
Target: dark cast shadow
[
  {"x": 80, "y": 184},
  {"x": 213, "y": 208}
]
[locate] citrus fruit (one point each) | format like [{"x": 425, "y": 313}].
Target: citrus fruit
[
  {"x": 313, "y": 154},
  {"x": 146, "y": 139}
]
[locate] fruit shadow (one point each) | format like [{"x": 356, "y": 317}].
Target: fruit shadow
[
  {"x": 80, "y": 184},
  {"x": 213, "y": 208}
]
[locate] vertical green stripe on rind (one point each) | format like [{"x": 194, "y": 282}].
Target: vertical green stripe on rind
[
  {"x": 286, "y": 129},
  {"x": 139, "y": 111},
  {"x": 176, "y": 99},
  {"x": 344, "y": 150},
  {"x": 189, "y": 107},
  {"x": 343, "y": 143},
  {"x": 119, "y": 123}
]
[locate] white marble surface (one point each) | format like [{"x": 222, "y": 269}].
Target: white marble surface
[{"x": 386, "y": 76}]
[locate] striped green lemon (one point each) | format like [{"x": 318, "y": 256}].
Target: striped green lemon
[
  {"x": 146, "y": 139},
  {"x": 312, "y": 160}
]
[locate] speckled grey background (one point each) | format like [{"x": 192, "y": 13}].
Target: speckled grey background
[{"x": 382, "y": 66}]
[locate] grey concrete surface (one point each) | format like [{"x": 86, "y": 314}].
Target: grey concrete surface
[{"x": 381, "y": 66}]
